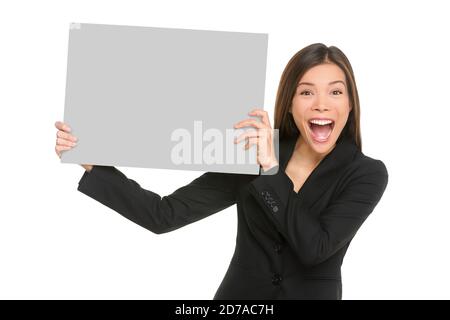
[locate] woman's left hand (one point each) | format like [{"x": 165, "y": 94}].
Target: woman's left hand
[{"x": 262, "y": 137}]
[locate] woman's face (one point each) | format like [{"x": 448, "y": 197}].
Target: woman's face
[{"x": 321, "y": 106}]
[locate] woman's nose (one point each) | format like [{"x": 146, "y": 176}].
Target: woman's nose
[
  {"x": 321, "y": 107},
  {"x": 320, "y": 103}
]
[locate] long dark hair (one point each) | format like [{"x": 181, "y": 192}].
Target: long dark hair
[{"x": 308, "y": 57}]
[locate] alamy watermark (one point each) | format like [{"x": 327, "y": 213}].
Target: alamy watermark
[{"x": 212, "y": 147}]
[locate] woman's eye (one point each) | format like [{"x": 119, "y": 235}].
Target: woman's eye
[
  {"x": 337, "y": 92},
  {"x": 305, "y": 93}
]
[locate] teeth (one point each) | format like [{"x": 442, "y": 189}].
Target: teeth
[{"x": 321, "y": 122}]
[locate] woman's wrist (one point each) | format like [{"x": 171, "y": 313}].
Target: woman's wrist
[
  {"x": 87, "y": 167},
  {"x": 270, "y": 165}
]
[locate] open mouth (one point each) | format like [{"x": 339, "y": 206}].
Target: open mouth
[{"x": 320, "y": 129}]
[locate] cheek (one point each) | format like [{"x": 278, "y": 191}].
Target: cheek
[
  {"x": 342, "y": 116},
  {"x": 299, "y": 116},
  {"x": 299, "y": 109}
]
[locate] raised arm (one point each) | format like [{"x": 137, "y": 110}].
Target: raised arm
[{"x": 205, "y": 195}]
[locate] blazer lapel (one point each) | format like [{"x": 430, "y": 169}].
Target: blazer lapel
[{"x": 327, "y": 171}]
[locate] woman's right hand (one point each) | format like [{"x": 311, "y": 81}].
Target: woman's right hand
[{"x": 65, "y": 141}]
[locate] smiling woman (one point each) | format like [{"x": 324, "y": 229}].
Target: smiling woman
[
  {"x": 318, "y": 83},
  {"x": 298, "y": 217},
  {"x": 320, "y": 107},
  {"x": 321, "y": 128}
]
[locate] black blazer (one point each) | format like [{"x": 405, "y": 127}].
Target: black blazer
[{"x": 289, "y": 245}]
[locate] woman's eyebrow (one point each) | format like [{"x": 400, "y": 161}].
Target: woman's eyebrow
[
  {"x": 337, "y": 81},
  {"x": 312, "y": 84}
]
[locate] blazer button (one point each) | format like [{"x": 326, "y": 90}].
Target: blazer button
[
  {"x": 277, "y": 247},
  {"x": 276, "y": 279},
  {"x": 274, "y": 208}
]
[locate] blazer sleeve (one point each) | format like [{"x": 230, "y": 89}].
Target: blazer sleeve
[
  {"x": 316, "y": 236},
  {"x": 205, "y": 195}
]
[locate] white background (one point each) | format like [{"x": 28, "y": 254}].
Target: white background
[{"x": 56, "y": 243}]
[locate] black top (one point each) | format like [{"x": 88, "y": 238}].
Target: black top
[{"x": 289, "y": 245}]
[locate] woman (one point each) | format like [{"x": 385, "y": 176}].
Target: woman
[{"x": 297, "y": 218}]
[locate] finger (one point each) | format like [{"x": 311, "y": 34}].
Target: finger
[
  {"x": 65, "y": 135},
  {"x": 263, "y": 114},
  {"x": 58, "y": 151},
  {"x": 262, "y": 134},
  {"x": 256, "y": 109},
  {"x": 246, "y": 134},
  {"x": 60, "y": 148},
  {"x": 250, "y": 142},
  {"x": 249, "y": 122},
  {"x": 64, "y": 142},
  {"x": 62, "y": 126}
]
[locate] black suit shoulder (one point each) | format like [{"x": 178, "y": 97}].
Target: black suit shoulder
[
  {"x": 364, "y": 171},
  {"x": 365, "y": 164}
]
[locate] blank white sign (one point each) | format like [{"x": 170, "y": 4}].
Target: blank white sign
[{"x": 163, "y": 98}]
